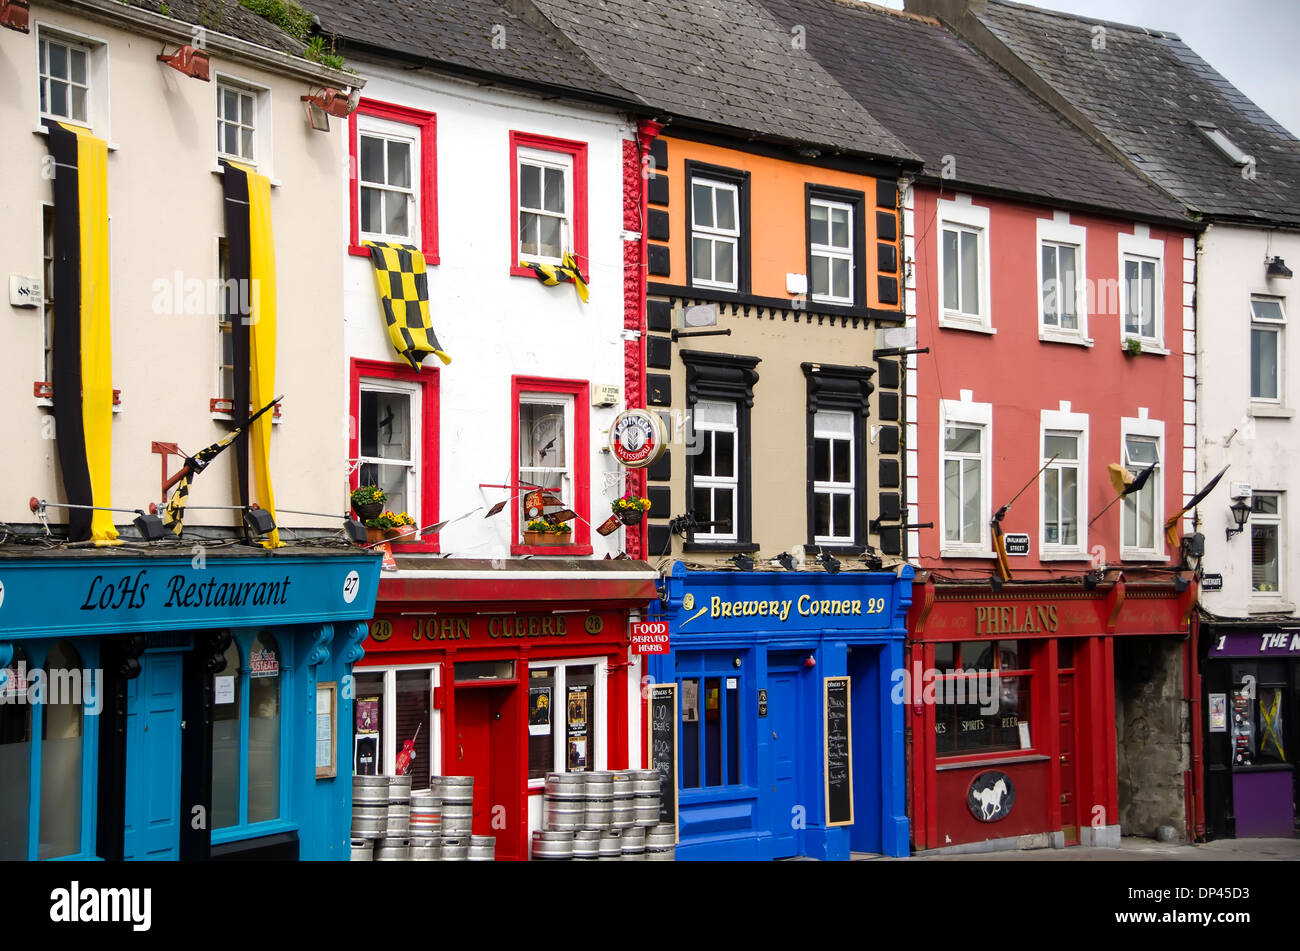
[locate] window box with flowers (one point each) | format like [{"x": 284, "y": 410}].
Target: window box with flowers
[
  {"x": 540, "y": 532},
  {"x": 391, "y": 527},
  {"x": 368, "y": 502},
  {"x": 630, "y": 509}
]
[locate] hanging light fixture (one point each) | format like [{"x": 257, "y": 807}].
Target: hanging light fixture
[{"x": 1241, "y": 515}]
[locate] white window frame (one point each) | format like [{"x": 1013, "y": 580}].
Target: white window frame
[
  {"x": 1150, "y": 429},
  {"x": 821, "y": 430},
  {"x": 563, "y": 161},
  {"x": 964, "y": 216},
  {"x": 978, "y": 416},
  {"x": 262, "y": 138},
  {"x": 1276, "y": 326},
  {"x": 569, "y": 476},
  {"x": 1063, "y": 423},
  {"x": 1132, "y": 247},
  {"x": 715, "y": 234},
  {"x": 97, "y": 95},
  {"x": 597, "y": 757},
  {"x": 410, "y": 135},
  {"x": 1052, "y": 231},
  {"x": 1278, "y": 522},
  {"x": 832, "y": 252},
  {"x": 711, "y": 533},
  {"x": 414, "y": 501},
  {"x": 388, "y": 755}
]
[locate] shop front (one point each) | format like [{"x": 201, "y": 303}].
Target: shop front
[
  {"x": 163, "y": 707},
  {"x": 1048, "y": 714},
  {"x": 787, "y": 744},
  {"x": 504, "y": 675},
  {"x": 1252, "y": 706}
]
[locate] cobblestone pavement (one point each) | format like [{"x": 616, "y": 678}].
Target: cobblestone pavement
[{"x": 1132, "y": 849}]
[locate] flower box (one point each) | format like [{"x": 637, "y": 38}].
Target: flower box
[
  {"x": 544, "y": 539},
  {"x": 402, "y": 534}
]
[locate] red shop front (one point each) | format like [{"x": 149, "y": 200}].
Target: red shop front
[
  {"x": 1049, "y": 714},
  {"x": 504, "y": 675}
]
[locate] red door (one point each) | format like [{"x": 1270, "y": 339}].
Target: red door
[
  {"x": 1069, "y": 803},
  {"x": 486, "y": 748}
]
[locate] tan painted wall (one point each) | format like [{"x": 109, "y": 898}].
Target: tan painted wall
[{"x": 165, "y": 206}]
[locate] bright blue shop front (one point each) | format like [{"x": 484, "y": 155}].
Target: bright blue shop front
[
  {"x": 155, "y": 706},
  {"x": 788, "y": 741}
]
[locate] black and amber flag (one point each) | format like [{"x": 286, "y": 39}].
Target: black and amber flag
[
  {"x": 83, "y": 352},
  {"x": 403, "y": 284}
]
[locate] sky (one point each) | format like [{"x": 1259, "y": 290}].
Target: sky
[{"x": 1254, "y": 43}]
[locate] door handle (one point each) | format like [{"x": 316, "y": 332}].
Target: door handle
[
  {"x": 774, "y": 734},
  {"x": 462, "y": 752}
]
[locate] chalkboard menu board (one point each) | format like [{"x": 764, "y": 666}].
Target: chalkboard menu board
[
  {"x": 839, "y": 752},
  {"x": 661, "y": 744}
]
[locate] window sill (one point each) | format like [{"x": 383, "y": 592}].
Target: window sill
[
  {"x": 1267, "y": 411},
  {"x": 41, "y": 130},
  {"x": 834, "y": 548},
  {"x": 1137, "y": 555},
  {"x": 696, "y": 794},
  {"x": 1047, "y": 555},
  {"x": 950, "y": 321},
  {"x": 517, "y": 270},
  {"x": 1076, "y": 340},
  {"x": 430, "y": 257},
  {"x": 1259, "y": 604},
  {"x": 218, "y": 170},
  {"x": 575, "y": 550},
  {"x": 965, "y": 553},
  {"x": 254, "y": 831},
  {"x": 217, "y": 411},
  {"x": 720, "y": 547},
  {"x": 43, "y": 392},
  {"x": 1148, "y": 349}
]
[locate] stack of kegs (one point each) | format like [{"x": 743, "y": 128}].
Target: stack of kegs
[
  {"x": 392, "y": 823},
  {"x": 426, "y": 826},
  {"x": 395, "y": 846},
  {"x": 603, "y": 815},
  {"x": 482, "y": 848},
  {"x": 457, "y": 795},
  {"x": 369, "y": 815}
]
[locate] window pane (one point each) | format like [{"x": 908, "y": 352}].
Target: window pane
[
  {"x": 1063, "y": 447},
  {"x": 962, "y": 439},
  {"x": 371, "y": 209},
  {"x": 704, "y": 458},
  {"x": 580, "y": 720},
  {"x": 841, "y": 461},
  {"x": 245, "y": 142},
  {"x": 1049, "y": 288},
  {"x": 821, "y": 460},
  {"x": 724, "y": 456},
  {"x": 1263, "y": 558},
  {"x": 702, "y": 262},
  {"x": 821, "y": 281},
  {"x": 1147, "y": 514},
  {"x": 542, "y": 435},
  {"x": 724, "y": 511},
  {"x": 702, "y": 205},
  {"x": 1069, "y": 506},
  {"x": 58, "y": 61},
  {"x": 726, "y": 199},
  {"x": 263, "y": 730},
  {"x": 950, "y": 291},
  {"x": 1132, "y": 295},
  {"x": 385, "y": 425},
  {"x": 1141, "y": 452},
  {"x": 528, "y": 230},
  {"x": 1148, "y": 299},
  {"x": 840, "y": 227},
  {"x": 970, "y": 263},
  {"x": 702, "y": 502},
  {"x": 1130, "y": 520},
  {"x": 971, "y": 507},
  {"x": 1051, "y": 506},
  {"x": 1263, "y": 364},
  {"x": 368, "y": 716},
  {"x": 818, "y": 230},
  {"x": 230, "y": 105},
  {"x": 58, "y": 99},
  {"x": 1262, "y": 504},
  {"x": 733, "y": 737},
  {"x": 246, "y": 109},
  {"x": 15, "y": 760},
  {"x": 1067, "y": 288},
  {"x": 399, "y": 164},
  {"x": 840, "y": 509},
  {"x": 225, "y": 743},
  {"x": 395, "y": 206},
  {"x": 712, "y": 705},
  {"x": 541, "y": 723},
  {"x": 952, "y": 499},
  {"x": 412, "y": 722},
  {"x": 61, "y": 747},
  {"x": 1265, "y": 308},
  {"x": 821, "y": 514},
  {"x": 690, "y": 765},
  {"x": 372, "y": 159},
  {"x": 550, "y": 241},
  {"x": 724, "y": 270},
  {"x": 554, "y": 192},
  {"x": 530, "y": 186},
  {"x": 840, "y": 277}
]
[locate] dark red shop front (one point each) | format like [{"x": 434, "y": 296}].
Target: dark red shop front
[
  {"x": 1048, "y": 714},
  {"x": 503, "y": 675}
]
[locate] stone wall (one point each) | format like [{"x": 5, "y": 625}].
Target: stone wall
[{"x": 1152, "y": 734}]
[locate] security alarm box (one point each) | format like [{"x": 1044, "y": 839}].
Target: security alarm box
[{"x": 604, "y": 394}]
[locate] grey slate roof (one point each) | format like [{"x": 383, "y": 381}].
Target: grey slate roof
[
  {"x": 229, "y": 17},
  {"x": 944, "y": 99},
  {"x": 1143, "y": 92},
  {"x": 459, "y": 34},
  {"x": 724, "y": 63}
]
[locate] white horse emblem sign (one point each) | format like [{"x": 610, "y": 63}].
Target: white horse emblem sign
[{"x": 991, "y": 796}]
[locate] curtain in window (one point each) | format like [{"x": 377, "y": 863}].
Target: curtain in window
[{"x": 61, "y": 748}]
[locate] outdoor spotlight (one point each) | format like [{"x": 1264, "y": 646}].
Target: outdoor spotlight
[
  {"x": 1092, "y": 579},
  {"x": 149, "y": 526},
  {"x": 356, "y": 531},
  {"x": 1241, "y": 515},
  {"x": 829, "y": 562},
  {"x": 742, "y": 561},
  {"x": 787, "y": 560},
  {"x": 1180, "y": 584},
  {"x": 996, "y": 582},
  {"x": 316, "y": 116},
  {"x": 258, "y": 521},
  {"x": 1277, "y": 268}
]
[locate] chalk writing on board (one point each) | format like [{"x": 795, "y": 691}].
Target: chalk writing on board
[{"x": 839, "y": 752}]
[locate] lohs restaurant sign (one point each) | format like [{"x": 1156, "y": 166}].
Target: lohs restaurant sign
[{"x": 110, "y": 594}]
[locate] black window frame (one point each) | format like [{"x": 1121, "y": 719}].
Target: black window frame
[
  {"x": 844, "y": 389},
  {"x": 858, "y": 242},
  {"x": 724, "y": 378},
  {"x": 730, "y": 176}
]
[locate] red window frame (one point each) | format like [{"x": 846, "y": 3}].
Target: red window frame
[
  {"x": 427, "y": 124},
  {"x": 581, "y": 501},
  {"x": 546, "y": 143},
  {"x": 428, "y": 381}
]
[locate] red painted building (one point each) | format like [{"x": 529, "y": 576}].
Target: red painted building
[{"x": 1051, "y": 701}]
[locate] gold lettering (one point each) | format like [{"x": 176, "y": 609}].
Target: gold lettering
[
  {"x": 494, "y": 627},
  {"x": 533, "y": 625},
  {"x": 981, "y": 618},
  {"x": 1005, "y": 621},
  {"x": 715, "y": 607},
  {"x": 826, "y": 607},
  {"x": 726, "y": 609},
  {"x": 803, "y": 610},
  {"x": 559, "y": 626},
  {"x": 1042, "y": 617},
  {"x": 762, "y": 608},
  {"x": 462, "y": 625},
  {"x": 1051, "y": 610},
  {"x": 857, "y": 607},
  {"x": 546, "y": 626}
]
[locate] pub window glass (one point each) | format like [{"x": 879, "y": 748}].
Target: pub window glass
[
  {"x": 413, "y": 723},
  {"x": 713, "y": 731},
  {"x": 368, "y": 737},
  {"x": 263, "y": 729},
  {"x": 225, "y": 742},
  {"x": 61, "y": 749},
  {"x": 690, "y": 739},
  {"x": 541, "y": 721},
  {"x": 987, "y": 674},
  {"x": 15, "y": 760},
  {"x": 580, "y": 723},
  {"x": 733, "y": 737}
]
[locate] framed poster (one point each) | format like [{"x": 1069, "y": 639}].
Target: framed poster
[
  {"x": 576, "y": 716},
  {"x": 326, "y": 714},
  {"x": 690, "y": 700},
  {"x": 1218, "y": 713},
  {"x": 539, "y": 711}
]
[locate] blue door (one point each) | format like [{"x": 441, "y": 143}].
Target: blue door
[
  {"x": 153, "y": 758},
  {"x": 782, "y": 721}
]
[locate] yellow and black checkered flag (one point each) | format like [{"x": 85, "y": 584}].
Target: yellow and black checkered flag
[
  {"x": 404, "y": 295},
  {"x": 567, "y": 270}
]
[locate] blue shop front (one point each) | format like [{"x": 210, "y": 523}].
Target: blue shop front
[
  {"x": 163, "y": 706},
  {"x": 788, "y": 742}
]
